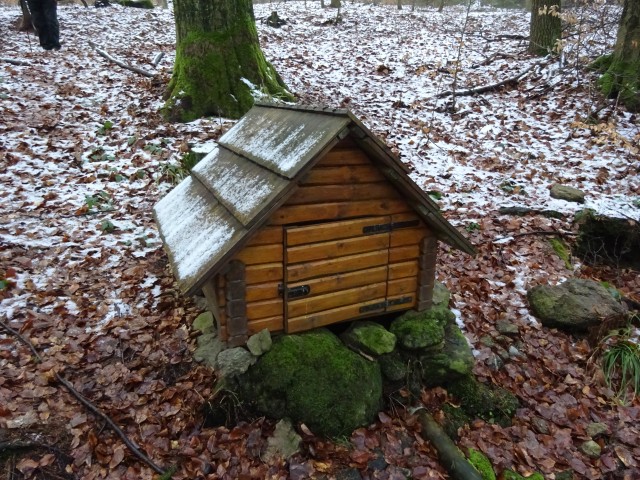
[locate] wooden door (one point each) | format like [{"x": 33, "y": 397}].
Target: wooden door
[{"x": 341, "y": 270}]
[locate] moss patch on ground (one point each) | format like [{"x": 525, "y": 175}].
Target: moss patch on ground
[
  {"x": 481, "y": 463},
  {"x": 492, "y": 404}
]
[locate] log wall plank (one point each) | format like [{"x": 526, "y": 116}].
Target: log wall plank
[
  {"x": 337, "y": 248},
  {"x": 306, "y": 305},
  {"x": 362, "y": 261}
]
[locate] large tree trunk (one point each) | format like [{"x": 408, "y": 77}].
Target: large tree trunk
[
  {"x": 219, "y": 68},
  {"x": 546, "y": 28},
  {"x": 622, "y": 68}
]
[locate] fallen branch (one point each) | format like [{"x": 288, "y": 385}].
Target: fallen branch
[
  {"x": 450, "y": 456},
  {"x": 104, "y": 54},
  {"x": 492, "y": 58},
  {"x": 558, "y": 233},
  {"x": 14, "y": 61},
  {"x": 90, "y": 406},
  {"x": 488, "y": 88},
  {"x": 157, "y": 59}
]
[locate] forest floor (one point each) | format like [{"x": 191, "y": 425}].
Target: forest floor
[{"x": 85, "y": 154}]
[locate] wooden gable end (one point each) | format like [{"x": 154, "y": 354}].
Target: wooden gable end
[{"x": 344, "y": 245}]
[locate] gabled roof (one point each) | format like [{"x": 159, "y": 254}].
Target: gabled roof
[{"x": 252, "y": 171}]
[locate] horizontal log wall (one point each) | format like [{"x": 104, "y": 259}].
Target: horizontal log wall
[{"x": 343, "y": 185}]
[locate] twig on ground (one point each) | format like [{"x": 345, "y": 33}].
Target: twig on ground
[
  {"x": 14, "y": 61},
  {"x": 157, "y": 59},
  {"x": 492, "y": 58},
  {"x": 90, "y": 406},
  {"x": 126, "y": 66},
  {"x": 494, "y": 86},
  {"x": 534, "y": 232}
]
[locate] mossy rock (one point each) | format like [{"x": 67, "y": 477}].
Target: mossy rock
[
  {"x": 313, "y": 378},
  {"x": 418, "y": 330},
  {"x": 481, "y": 463},
  {"x": 607, "y": 240},
  {"x": 454, "y": 419},
  {"x": 454, "y": 360},
  {"x": 393, "y": 366},
  {"x": 370, "y": 337},
  {"x": 575, "y": 305},
  {"x": 492, "y": 404}
]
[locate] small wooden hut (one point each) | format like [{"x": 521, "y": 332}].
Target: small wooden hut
[{"x": 301, "y": 218}]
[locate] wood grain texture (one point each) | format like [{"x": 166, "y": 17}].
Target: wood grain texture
[
  {"x": 340, "y": 193},
  {"x": 307, "y": 305},
  {"x": 340, "y": 175},
  {"x": 362, "y": 261},
  {"x": 292, "y": 214},
  {"x": 337, "y": 248},
  {"x": 331, "y": 230},
  {"x": 260, "y": 254},
  {"x": 266, "y": 272}
]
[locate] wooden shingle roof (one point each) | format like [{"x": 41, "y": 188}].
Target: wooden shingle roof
[{"x": 252, "y": 171}]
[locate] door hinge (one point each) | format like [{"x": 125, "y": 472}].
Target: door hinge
[
  {"x": 387, "y": 227},
  {"x": 295, "y": 292},
  {"x": 383, "y": 305}
]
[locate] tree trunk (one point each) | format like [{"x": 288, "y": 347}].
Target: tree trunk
[
  {"x": 622, "y": 68},
  {"x": 219, "y": 68},
  {"x": 546, "y": 28},
  {"x": 26, "y": 22},
  {"x": 399, "y": 4}
]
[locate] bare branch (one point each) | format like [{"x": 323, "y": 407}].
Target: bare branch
[
  {"x": 14, "y": 61},
  {"x": 104, "y": 54}
]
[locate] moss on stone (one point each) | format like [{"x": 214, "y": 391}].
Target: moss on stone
[
  {"x": 393, "y": 367},
  {"x": 454, "y": 419},
  {"x": 313, "y": 378},
  {"x": 492, "y": 404},
  {"x": 454, "y": 360},
  {"x": 481, "y": 463},
  {"x": 370, "y": 337},
  {"x": 511, "y": 475},
  {"x": 418, "y": 330},
  {"x": 562, "y": 250}
]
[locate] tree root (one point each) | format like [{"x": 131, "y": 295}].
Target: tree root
[{"x": 450, "y": 456}]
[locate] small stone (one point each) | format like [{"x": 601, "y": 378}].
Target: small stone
[
  {"x": 441, "y": 296},
  {"x": 349, "y": 474},
  {"x": 540, "y": 425},
  {"x": 204, "y": 322},
  {"x": 591, "y": 449},
  {"x": 570, "y": 194},
  {"x": 284, "y": 442},
  {"x": 370, "y": 337},
  {"x": 595, "y": 429},
  {"x": 494, "y": 362},
  {"x": 514, "y": 352},
  {"x": 377, "y": 464},
  {"x": 234, "y": 361},
  {"x": 487, "y": 341},
  {"x": 505, "y": 327},
  {"x": 209, "y": 347},
  {"x": 260, "y": 343}
]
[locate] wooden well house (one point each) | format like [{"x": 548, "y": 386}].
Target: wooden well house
[{"x": 301, "y": 218}]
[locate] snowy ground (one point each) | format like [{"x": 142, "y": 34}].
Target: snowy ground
[{"x": 84, "y": 155}]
